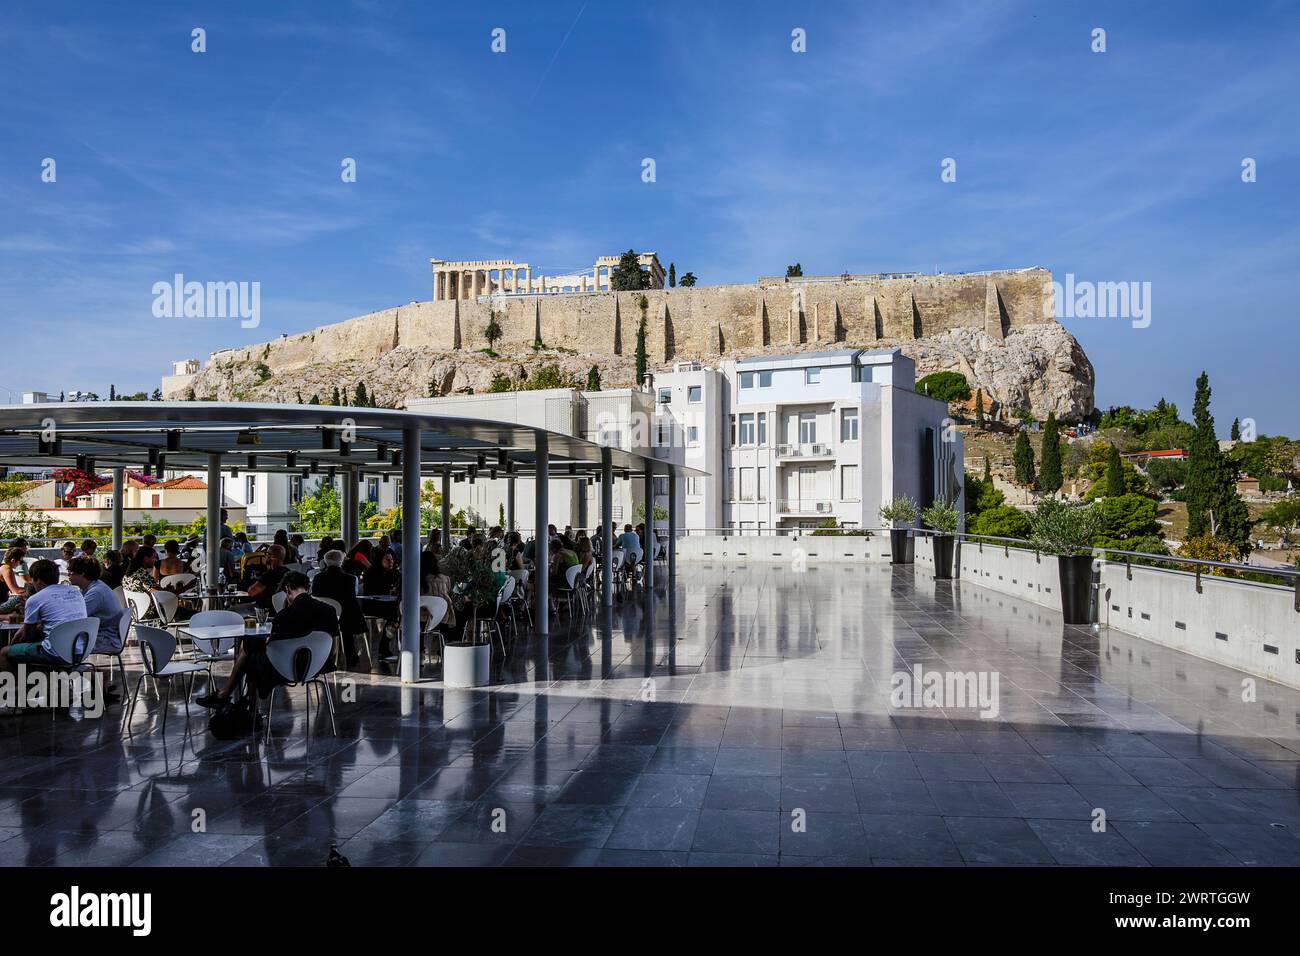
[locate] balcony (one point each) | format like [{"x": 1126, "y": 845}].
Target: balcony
[
  {"x": 804, "y": 452},
  {"x": 805, "y": 506}
]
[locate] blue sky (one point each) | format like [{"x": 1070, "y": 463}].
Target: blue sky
[{"x": 224, "y": 166}]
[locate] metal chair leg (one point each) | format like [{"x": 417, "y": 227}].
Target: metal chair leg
[{"x": 270, "y": 709}]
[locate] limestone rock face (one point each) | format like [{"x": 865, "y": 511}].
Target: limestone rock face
[
  {"x": 394, "y": 377},
  {"x": 1039, "y": 367}
]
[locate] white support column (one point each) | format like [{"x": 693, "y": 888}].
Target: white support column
[
  {"x": 212, "y": 533},
  {"x": 596, "y": 274},
  {"x": 410, "y": 655},
  {"x": 648, "y": 545},
  {"x": 672, "y": 529},
  {"x": 119, "y": 489},
  {"x": 510, "y": 504},
  {"x": 607, "y": 528},
  {"x": 446, "y": 509},
  {"x": 542, "y": 540}
]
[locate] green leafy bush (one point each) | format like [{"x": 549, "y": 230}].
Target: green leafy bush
[
  {"x": 1060, "y": 528},
  {"x": 902, "y": 509},
  {"x": 940, "y": 517}
]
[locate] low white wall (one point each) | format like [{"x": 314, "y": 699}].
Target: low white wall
[
  {"x": 1251, "y": 627},
  {"x": 1246, "y": 625},
  {"x": 853, "y": 549}
]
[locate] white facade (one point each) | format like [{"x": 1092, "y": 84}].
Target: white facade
[
  {"x": 618, "y": 418},
  {"x": 797, "y": 440},
  {"x": 270, "y": 499}
]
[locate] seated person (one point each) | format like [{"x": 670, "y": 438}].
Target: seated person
[
  {"x": 101, "y": 603},
  {"x": 630, "y": 544},
  {"x": 171, "y": 562},
  {"x": 9, "y": 571},
  {"x": 337, "y": 585},
  {"x": 114, "y": 570},
  {"x": 302, "y": 615},
  {"x": 269, "y": 581},
  {"x": 88, "y": 547},
  {"x": 50, "y": 605},
  {"x": 66, "y": 554},
  {"x": 143, "y": 575}
]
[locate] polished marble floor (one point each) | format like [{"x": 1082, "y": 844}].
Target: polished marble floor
[{"x": 744, "y": 721}]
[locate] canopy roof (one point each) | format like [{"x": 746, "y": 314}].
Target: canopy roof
[{"x": 290, "y": 438}]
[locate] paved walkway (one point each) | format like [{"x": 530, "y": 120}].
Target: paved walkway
[{"x": 747, "y": 722}]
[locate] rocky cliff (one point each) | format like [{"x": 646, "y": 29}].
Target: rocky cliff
[
  {"x": 1039, "y": 367},
  {"x": 994, "y": 328}
]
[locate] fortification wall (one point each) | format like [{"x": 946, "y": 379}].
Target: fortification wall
[{"x": 686, "y": 323}]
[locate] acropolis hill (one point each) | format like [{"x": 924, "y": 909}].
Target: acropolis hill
[{"x": 996, "y": 328}]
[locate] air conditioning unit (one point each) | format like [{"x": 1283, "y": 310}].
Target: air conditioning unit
[
  {"x": 824, "y": 507},
  {"x": 820, "y": 450}
]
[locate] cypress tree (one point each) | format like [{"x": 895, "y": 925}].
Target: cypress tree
[
  {"x": 334, "y": 400},
  {"x": 988, "y": 471},
  {"x": 1024, "y": 459},
  {"x": 593, "y": 379},
  {"x": 1236, "y": 429},
  {"x": 672, "y": 275},
  {"x": 640, "y": 349},
  {"x": 1050, "y": 478},
  {"x": 361, "y": 399},
  {"x": 1213, "y": 505},
  {"x": 1114, "y": 474},
  {"x": 979, "y": 408}
]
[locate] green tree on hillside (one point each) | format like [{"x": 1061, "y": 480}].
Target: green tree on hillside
[
  {"x": 593, "y": 379},
  {"x": 945, "y": 386},
  {"x": 979, "y": 409},
  {"x": 493, "y": 331},
  {"x": 794, "y": 272},
  {"x": 1023, "y": 456},
  {"x": 362, "y": 399},
  {"x": 1050, "y": 477},
  {"x": 688, "y": 280},
  {"x": 672, "y": 275},
  {"x": 1236, "y": 429},
  {"x": 641, "y": 357},
  {"x": 1115, "y": 486},
  {"x": 628, "y": 275},
  {"x": 1213, "y": 505}
]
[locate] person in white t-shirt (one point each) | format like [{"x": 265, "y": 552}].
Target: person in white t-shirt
[{"x": 50, "y": 605}]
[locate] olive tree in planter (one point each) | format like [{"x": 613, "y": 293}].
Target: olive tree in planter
[
  {"x": 468, "y": 662},
  {"x": 1067, "y": 531},
  {"x": 942, "y": 519},
  {"x": 902, "y": 510}
]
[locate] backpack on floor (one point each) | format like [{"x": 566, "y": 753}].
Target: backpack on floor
[{"x": 232, "y": 720}]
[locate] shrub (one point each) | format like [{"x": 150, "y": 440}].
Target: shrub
[
  {"x": 940, "y": 517},
  {"x": 945, "y": 386},
  {"x": 902, "y": 508},
  {"x": 1003, "y": 521},
  {"x": 1059, "y": 528}
]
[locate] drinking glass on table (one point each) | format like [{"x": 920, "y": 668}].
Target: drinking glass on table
[{"x": 262, "y": 615}]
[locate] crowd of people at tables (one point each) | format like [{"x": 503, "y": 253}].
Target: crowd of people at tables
[{"x": 44, "y": 593}]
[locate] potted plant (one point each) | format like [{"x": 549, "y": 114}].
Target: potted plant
[
  {"x": 468, "y": 662},
  {"x": 902, "y": 510},
  {"x": 1067, "y": 531},
  {"x": 941, "y": 518}
]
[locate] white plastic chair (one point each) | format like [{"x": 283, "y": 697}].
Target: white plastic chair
[
  {"x": 180, "y": 581},
  {"x": 214, "y": 650},
  {"x": 120, "y": 593},
  {"x": 158, "y": 652},
  {"x": 124, "y": 623},
  {"x": 436, "y": 607},
  {"x": 299, "y": 660},
  {"x": 141, "y": 603},
  {"x": 571, "y": 586},
  {"x": 278, "y": 600},
  {"x": 520, "y": 597},
  {"x": 166, "y": 604},
  {"x": 73, "y": 641}
]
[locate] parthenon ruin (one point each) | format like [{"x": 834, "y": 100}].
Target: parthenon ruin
[{"x": 471, "y": 278}]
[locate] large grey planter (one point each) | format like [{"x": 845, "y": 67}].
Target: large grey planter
[{"x": 466, "y": 665}]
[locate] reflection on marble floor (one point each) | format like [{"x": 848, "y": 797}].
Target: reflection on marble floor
[{"x": 745, "y": 721}]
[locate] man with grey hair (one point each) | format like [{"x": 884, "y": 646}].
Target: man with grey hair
[{"x": 335, "y": 583}]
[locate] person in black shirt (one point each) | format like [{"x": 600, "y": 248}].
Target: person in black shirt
[
  {"x": 264, "y": 588},
  {"x": 335, "y": 583},
  {"x": 302, "y": 615}
]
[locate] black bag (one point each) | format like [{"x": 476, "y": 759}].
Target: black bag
[{"x": 232, "y": 720}]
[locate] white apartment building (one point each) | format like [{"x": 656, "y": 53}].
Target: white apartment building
[
  {"x": 618, "y": 418},
  {"x": 270, "y": 499},
  {"x": 795, "y": 440}
]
